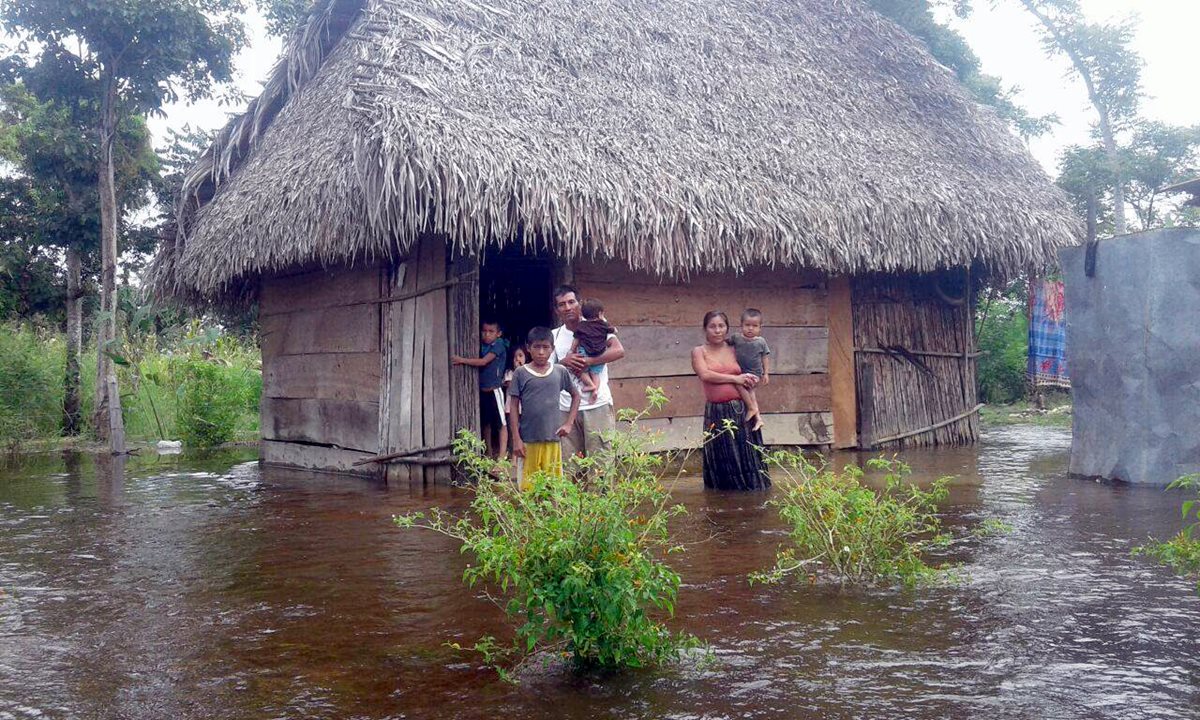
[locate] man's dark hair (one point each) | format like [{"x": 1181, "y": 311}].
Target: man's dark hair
[
  {"x": 563, "y": 290},
  {"x": 751, "y": 313},
  {"x": 539, "y": 334},
  {"x": 592, "y": 309}
]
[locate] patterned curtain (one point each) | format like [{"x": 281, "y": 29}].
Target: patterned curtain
[{"x": 1047, "y": 334}]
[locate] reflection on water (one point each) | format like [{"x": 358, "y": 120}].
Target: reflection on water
[{"x": 208, "y": 587}]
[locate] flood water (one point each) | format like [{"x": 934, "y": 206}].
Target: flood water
[{"x": 206, "y": 587}]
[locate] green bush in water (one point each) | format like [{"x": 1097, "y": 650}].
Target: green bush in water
[
  {"x": 838, "y": 525},
  {"x": 1182, "y": 552},
  {"x": 31, "y": 385},
  {"x": 212, "y": 399},
  {"x": 578, "y": 564}
]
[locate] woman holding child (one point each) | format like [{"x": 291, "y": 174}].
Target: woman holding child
[{"x": 733, "y": 457}]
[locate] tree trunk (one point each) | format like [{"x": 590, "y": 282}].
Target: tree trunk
[
  {"x": 71, "y": 412},
  {"x": 1114, "y": 159},
  {"x": 108, "y": 423}
]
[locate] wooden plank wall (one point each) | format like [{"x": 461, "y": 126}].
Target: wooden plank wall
[
  {"x": 896, "y": 394},
  {"x": 415, "y": 383},
  {"x": 659, "y": 324},
  {"x": 321, "y": 367}
]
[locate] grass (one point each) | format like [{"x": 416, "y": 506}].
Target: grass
[
  {"x": 153, "y": 380},
  {"x": 1023, "y": 412}
]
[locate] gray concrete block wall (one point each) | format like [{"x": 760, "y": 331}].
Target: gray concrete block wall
[{"x": 1133, "y": 348}]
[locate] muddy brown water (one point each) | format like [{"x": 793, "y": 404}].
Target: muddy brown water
[{"x": 208, "y": 587}]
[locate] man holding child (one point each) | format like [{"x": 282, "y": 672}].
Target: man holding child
[{"x": 596, "y": 415}]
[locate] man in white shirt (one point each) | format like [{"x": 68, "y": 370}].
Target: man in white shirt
[{"x": 594, "y": 417}]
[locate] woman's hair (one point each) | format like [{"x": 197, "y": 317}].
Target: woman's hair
[{"x": 708, "y": 316}]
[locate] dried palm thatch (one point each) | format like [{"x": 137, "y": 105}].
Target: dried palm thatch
[{"x": 679, "y": 135}]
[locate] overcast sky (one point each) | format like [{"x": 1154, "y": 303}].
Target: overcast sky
[{"x": 1003, "y": 37}]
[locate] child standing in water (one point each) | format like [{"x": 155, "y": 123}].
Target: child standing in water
[
  {"x": 753, "y": 355},
  {"x": 536, "y": 420},
  {"x": 493, "y": 356},
  {"x": 591, "y": 339}
]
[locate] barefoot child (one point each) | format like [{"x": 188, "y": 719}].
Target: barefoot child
[
  {"x": 533, "y": 413},
  {"x": 591, "y": 339},
  {"x": 493, "y": 356},
  {"x": 753, "y": 356}
]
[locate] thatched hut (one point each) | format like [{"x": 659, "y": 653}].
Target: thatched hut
[{"x": 409, "y": 160}]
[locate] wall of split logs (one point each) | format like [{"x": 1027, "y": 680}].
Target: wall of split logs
[{"x": 915, "y": 364}]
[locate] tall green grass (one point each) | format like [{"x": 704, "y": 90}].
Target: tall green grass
[
  {"x": 32, "y": 367},
  {"x": 169, "y": 387}
]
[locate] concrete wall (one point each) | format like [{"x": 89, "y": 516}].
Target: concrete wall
[{"x": 1133, "y": 346}]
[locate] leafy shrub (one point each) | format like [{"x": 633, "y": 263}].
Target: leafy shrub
[
  {"x": 212, "y": 398},
  {"x": 840, "y": 525},
  {"x": 1004, "y": 341},
  {"x": 31, "y": 384},
  {"x": 1182, "y": 552},
  {"x": 579, "y": 563}
]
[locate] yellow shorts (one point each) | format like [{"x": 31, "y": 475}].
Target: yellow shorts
[{"x": 539, "y": 456}]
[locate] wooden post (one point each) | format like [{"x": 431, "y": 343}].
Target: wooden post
[{"x": 841, "y": 363}]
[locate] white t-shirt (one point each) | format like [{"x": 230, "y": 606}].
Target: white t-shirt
[{"x": 563, "y": 340}]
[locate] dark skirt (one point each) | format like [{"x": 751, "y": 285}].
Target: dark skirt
[{"x": 733, "y": 460}]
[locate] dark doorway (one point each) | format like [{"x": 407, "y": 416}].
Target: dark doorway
[{"x": 514, "y": 290}]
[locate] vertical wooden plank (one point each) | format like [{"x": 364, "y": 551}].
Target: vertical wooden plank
[
  {"x": 436, "y": 380},
  {"x": 463, "y": 330},
  {"x": 401, "y": 339},
  {"x": 866, "y": 407},
  {"x": 841, "y": 363}
]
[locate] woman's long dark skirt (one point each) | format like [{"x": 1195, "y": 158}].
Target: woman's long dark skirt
[{"x": 733, "y": 459}]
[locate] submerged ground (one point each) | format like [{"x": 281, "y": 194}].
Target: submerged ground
[{"x": 206, "y": 587}]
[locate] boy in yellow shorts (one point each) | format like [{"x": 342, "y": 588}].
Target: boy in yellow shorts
[{"x": 535, "y": 421}]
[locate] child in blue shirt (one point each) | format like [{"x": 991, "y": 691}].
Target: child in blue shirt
[{"x": 493, "y": 357}]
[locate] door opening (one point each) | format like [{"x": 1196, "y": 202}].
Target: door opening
[{"x": 514, "y": 290}]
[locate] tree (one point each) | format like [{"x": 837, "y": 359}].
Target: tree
[
  {"x": 1155, "y": 156},
  {"x": 140, "y": 54},
  {"x": 30, "y": 276},
  {"x": 1102, "y": 56},
  {"x": 47, "y": 135},
  {"x": 1159, "y": 155},
  {"x": 952, "y": 50}
]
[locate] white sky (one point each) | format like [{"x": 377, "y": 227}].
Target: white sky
[{"x": 1002, "y": 36}]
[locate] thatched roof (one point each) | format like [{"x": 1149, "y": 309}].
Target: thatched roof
[{"x": 677, "y": 134}]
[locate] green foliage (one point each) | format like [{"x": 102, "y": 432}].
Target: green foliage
[
  {"x": 1101, "y": 54},
  {"x": 579, "y": 564},
  {"x": 31, "y": 371},
  {"x": 284, "y": 16},
  {"x": 209, "y": 404},
  {"x": 991, "y": 527},
  {"x": 839, "y": 525},
  {"x": 153, "y": 369},
  {"x": 952, "y": 50},
  {"x": 1156, "y": 155},
  {"x": 1002, "y": 331},
  {"x": 1182, "y": 552},
  {"x": 150, "y": 48}
]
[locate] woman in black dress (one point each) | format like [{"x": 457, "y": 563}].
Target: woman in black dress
[{"x": 733, "y": 458}]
